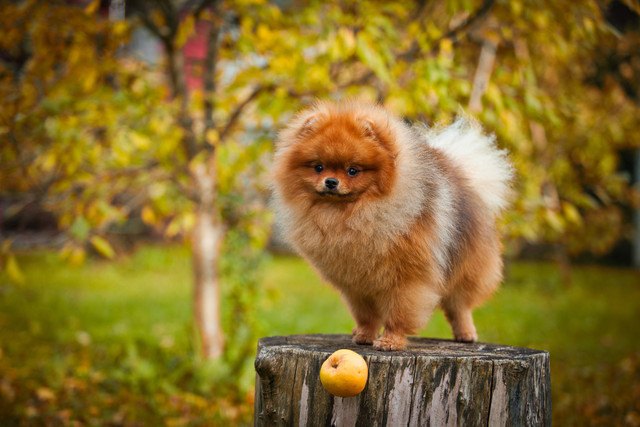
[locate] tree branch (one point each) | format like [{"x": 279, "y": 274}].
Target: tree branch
[
  {"x": 175, "y": 68},
  {"x": 196, "y": 7},
  {"x": 421, "y": 10},
  {"x": 153, "y": 28},
  {"x": 175, "y": 64},
  {"x": 209, "y": 72},
  {"x": 170, "y": 14},
  {"x": 455, "y": 34},
  {"x": 235, "y": 115},
  {"x": 460, "y": 31},
  {"x": 143, "y": 10},
  {"x": 204, "y": 4}
]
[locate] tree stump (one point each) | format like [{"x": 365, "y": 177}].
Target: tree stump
[{"x": 432, "y": 382}]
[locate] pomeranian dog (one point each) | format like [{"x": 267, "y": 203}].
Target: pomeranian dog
[{"x": 399, "y": 219}]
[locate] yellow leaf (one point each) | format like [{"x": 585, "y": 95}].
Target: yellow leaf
[
  {"x": 188, "y": 221},
  {"x": 92, "y": 7},
  {"x": 45, "y": 394},
  {"x": 120, "y": 27},
  {"x": 48, "y": 162},
  {"x": 90, "y": 78},
  {"x": 76, "y": 256},
  {"x": 148, "y": 216},
  {"x": 213, "y": 136},
  {"x": 173, "y": 228},
  {"x": 554, "y": 220},
  {"x": 264, "y": 33},
  {"x": 348, "y": 38},
  {"x": 13, "y": 270},
  {"x": 446, "y": 46},
  {"x": 139, "y": 140},
  {"x": 186, "y": 30},
  {"x": 102, "y": 247},
  {"x": 571, "y": 213}
]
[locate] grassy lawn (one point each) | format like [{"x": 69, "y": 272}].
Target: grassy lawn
[{"x": 111, "y": 343}]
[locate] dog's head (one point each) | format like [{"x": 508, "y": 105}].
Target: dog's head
[{"x": 337, "y": 153}]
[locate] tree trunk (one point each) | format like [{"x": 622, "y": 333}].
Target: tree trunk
[
  {"x": 206, "y": 242},
  {"x": 636, "y": 214},
  {"x": 117, "y": 10},
  {"x": 433, "y": 382},
  {"x": 208, "y": 231},
  {"x": 483, "y": 74}
]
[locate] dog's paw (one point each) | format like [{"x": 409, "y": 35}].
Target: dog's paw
[
  {"x": 362, "y": 339},
  {"x": 466, "y": 336},
  {"x": 390, "y": 343},
  {"x": 360, "y": 336}
]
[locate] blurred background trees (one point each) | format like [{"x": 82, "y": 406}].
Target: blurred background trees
[
  {"x": 556, "y": 82},
  {"x": 123, "y": 121},
  {"x": 161, "y": 124}
]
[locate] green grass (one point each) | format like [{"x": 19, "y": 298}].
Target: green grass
[{"x": 113, "y": 343}]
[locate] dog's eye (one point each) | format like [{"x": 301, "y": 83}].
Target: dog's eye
[
  {"x": 352, "y": 171},
  {"x": 318, "y": 168}
]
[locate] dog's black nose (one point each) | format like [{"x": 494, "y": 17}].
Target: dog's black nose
[{"x": 331, "y": 183}]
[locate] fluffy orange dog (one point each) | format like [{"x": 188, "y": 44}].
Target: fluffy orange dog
[{"x": 399, "y": 219}]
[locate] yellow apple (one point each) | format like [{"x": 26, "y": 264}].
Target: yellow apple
[{"x": 344, "y": 373}]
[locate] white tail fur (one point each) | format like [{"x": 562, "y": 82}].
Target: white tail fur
[{"x": 486, "y": 167}]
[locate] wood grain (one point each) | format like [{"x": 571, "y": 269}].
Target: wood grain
[{"x": 431, "y": 383}]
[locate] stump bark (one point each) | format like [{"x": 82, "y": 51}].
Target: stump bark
[{"x": 432, "y": 382}]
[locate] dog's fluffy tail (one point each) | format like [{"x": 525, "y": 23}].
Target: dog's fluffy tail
[{"x": 486, "y": 167}]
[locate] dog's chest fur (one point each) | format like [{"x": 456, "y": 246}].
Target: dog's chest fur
[{"x": 354, "y": 252}]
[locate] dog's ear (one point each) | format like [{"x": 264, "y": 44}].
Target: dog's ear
[
  {"x": 300, "y": 128},
  {"x": 309, "y": 125},
  {"x": 369, "y": 129},
  {"x": 377, "y": 131}
]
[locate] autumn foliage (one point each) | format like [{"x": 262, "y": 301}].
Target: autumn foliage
[
  {"x": 107, "y": 143},
  {"x": 91, "y": 134}
]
